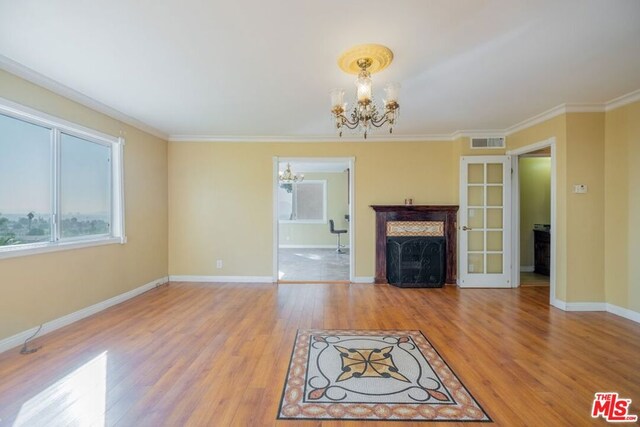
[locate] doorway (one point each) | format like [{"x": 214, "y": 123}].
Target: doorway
[
  {"x": 313, "y": 220},
  {"x": 534, "y": 215}
]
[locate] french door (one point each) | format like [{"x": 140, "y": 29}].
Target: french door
[{"x": 485, "y": 222}]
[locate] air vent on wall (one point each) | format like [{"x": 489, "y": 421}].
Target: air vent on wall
[{"x": 495, "y": 142}]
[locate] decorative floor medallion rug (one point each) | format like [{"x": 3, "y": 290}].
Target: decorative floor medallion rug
[{"x": 373, "y": 375}]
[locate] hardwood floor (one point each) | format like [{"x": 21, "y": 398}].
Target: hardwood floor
[
  {"x": 217, "y": 354},
  {"x": 533, "y": 279}
]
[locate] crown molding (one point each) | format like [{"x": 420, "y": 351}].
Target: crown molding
[
  {"x": 309, "y": 139},
  {"x": 623, "y": 100},
  {"x": 584, "y": 108},
  {"x": 481, "y": 133},
  {"x": 32, "y": 76}
]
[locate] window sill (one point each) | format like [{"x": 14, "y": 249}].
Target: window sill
[{"x": 40, "y": 248}]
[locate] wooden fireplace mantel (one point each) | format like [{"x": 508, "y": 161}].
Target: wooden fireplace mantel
[{"x": 444, "y": 213}]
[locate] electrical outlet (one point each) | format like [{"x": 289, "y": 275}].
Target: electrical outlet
[{"x": 219, "y": 263}]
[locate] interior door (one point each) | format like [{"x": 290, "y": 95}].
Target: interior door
[{"x": 485, "y": 222}]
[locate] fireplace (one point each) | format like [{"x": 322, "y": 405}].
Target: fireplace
[{"x": 416, "y": 245}]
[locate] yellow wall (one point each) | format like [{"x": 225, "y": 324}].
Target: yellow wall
[
  {"x": 580, "y": 217},
  {"x": 555, "y": 127},
  {"x": 535, "y": 201},
  {"x": 622, "y": 206},
  {"x": 39, "y": 288},
  {"x": 337, "y": 208},
  {"x": 203, "y": 229},
  {"x": 585, "y": 212}
]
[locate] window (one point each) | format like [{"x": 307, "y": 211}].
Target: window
[
  {"x": 303, "y": 202},
  {"x": 60, "y": 184}
]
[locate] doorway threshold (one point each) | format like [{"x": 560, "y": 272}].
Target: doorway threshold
[{"x": 313, "y": 282}]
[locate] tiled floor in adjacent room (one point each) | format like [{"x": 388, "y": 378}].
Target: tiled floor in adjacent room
[{"x": 313, "y": 265}]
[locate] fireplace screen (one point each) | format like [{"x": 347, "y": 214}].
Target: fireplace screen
[{"x": 416, "y": 261}]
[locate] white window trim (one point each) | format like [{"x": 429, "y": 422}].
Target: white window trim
[
  {"x": 325, "y": 207},
  {"x": 58, "y": 126}
]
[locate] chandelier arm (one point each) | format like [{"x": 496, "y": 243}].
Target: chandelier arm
[
  {"x": 348, "y": 123},
  {"x": 379, "y": 123}
]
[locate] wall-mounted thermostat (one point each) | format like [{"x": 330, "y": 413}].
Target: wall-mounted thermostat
[{"x": 580, "y": 188}]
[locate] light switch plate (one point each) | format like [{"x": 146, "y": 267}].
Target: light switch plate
[{"x": 580, "y": 188}]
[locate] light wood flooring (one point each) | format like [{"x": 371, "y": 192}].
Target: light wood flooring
[
  {"x": 533, "y": 279},
  {"x": 217, "y": 354}
]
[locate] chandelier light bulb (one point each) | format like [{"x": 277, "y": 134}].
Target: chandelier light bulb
[
  {"x": 363, "y": 87},
  {"x": 391, "y": 91},
  {"x": 337, "y": 97}
]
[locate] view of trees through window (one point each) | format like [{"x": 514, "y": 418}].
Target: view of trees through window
[{"x": 16, "y": 229}]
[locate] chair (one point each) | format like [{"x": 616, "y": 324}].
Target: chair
[{"x": 338, "y": 233}]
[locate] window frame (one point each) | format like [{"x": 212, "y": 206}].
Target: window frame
[
  {"x": 57, "y": 127},
  {"x": 324, "y": 204}
]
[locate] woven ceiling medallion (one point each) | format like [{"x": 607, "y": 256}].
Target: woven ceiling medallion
[{"x": 380, "y": 57}]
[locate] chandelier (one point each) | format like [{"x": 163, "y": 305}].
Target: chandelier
[
  {"x": 288, "y": 177},
  {"x": 365, "y": 115}
]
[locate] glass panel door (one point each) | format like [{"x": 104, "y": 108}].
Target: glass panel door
[{"x": 484, "y": 221}]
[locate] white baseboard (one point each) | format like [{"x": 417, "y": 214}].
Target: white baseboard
[
  {"x": 527, "y": 268},
  {"x": 597, "y": 306},
  {"x": 557, "y": 303},
  {"x": 586, "y": 306},
  {"x": 624, "y": 312},
  {"x": 311, "y": 246},
  {"x": 16, "y": 340},
  {"x": 363, "y": 279},
  {"x": 221, "y": 279}
]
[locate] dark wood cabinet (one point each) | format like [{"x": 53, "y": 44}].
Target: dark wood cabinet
[{"x": 541, "y": 251}]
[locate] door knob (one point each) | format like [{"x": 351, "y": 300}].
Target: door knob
[{"x": 465, "y": 228}]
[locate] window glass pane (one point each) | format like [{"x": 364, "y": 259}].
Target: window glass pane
[
  {"x": 475, "y": 196},
  {"x": 476, "y": 218},
  {"x": 494, "y": 173},
  {"x": 85, "y": 187},
  {"x": 476, "y": 240},
  {"x": 310, "y": 201},
  {"x": 475, "y": 173},
  {"x": 494, "y": 196},
  {"x": 475, "y": 263},
  {"x": 494, "y": 263},
  {"x": 25, "y": 182},
  {"x": 494, "y": 241},
  {"x": 494, "y": 218}
]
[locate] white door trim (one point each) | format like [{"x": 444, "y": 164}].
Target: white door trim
[
  {"x": 515, "y": 213},
  {"x": 352, "y": 216}
]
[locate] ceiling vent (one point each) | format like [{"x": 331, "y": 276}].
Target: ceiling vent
[{"x": 494, "y": 142}]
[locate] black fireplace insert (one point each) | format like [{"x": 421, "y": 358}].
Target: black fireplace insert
[{"x": 416, "y": 262}]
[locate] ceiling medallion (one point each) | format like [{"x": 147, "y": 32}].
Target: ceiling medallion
[{"x": 365, "y": 60}]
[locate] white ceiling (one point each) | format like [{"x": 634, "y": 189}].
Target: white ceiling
[{"x": 264, "y": 68}]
